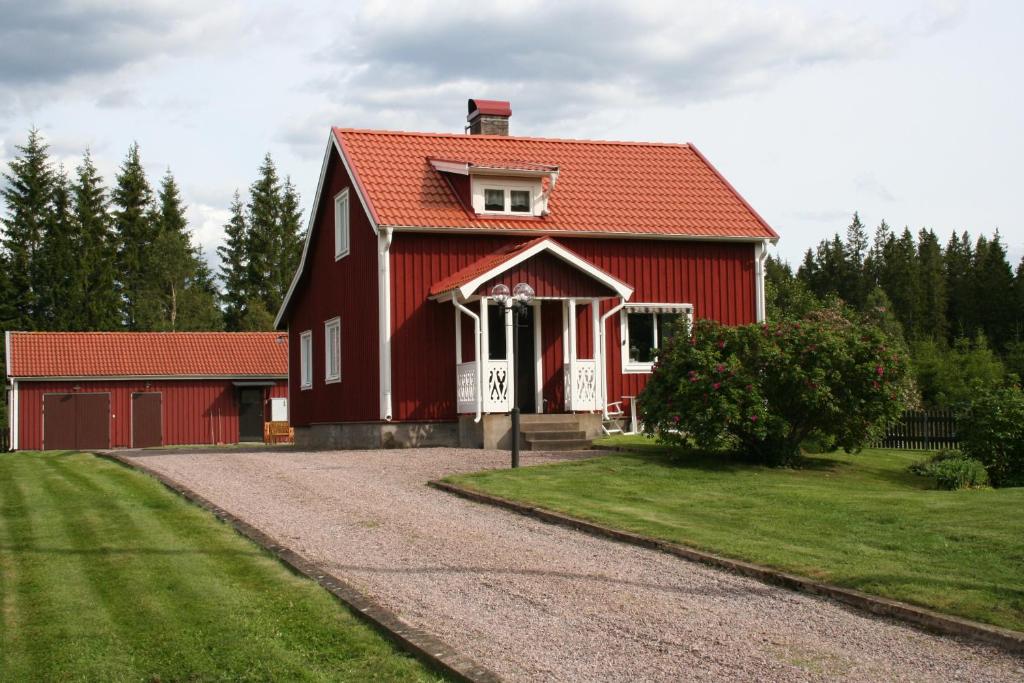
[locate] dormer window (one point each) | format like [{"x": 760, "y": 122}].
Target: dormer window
[
  {"x": 503, "y": 189},
  {"x": 515, "y": 197},
  {"x": 494, "y": 199},
  {"x": 519, "y": 201}
]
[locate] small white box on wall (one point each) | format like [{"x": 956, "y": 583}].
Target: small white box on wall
[{"x": 278, "y": 410}]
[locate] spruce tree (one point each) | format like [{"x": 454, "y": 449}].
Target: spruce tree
[
  {"x": 136, "y": 227},
  {"x": 874, "y": 262},
  {"x": 855, "y": 286},
  {"x": 900, "y": 278},
  {"x": 959, "y": 260},
  {"x": 288, "y": 245},
  {"x": 58, "y": 263},
  {"x": 99, "y": 306},
  {"x": 27, "y": 193},
  {"x": 234, "y": 267},
  {"x": 931, "y": 323},
  {"x": 994, "y": 292},
  {"x": 263, "y": 219}
]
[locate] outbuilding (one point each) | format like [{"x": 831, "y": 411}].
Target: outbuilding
[{"x": 97, "y": 390}]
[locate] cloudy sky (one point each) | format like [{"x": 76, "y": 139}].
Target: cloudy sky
[{"x": 910, "y": 111}]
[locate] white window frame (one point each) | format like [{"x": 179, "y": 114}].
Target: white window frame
[
  {"x": 342, "y": 243},
  {"x": 630, "y": 367},
  {"x": 306, "y": 360},
  {"x": 329, "y": 325},
  {"x": 506, "y": 186}
]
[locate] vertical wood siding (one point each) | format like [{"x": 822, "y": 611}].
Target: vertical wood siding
[
  {"x": 194, "y": 411},
  {"x": 345, "y": 289},
  {"x": 716, "y": 277}
]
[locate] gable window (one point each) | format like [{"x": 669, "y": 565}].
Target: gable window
[
  {"x": 646, "y": 328},
  {"x": 332, "y": 350},
  {"x": 494, "y": 199},
  {"x": 306, "y": 360},
  {"x": 341, "y": 231}
]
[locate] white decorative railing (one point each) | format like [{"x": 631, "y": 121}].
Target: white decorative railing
[
  {"x": 465, "y": 387},
  {"x": 581, "y": 385},
  {"x": 497, "y": 383}
]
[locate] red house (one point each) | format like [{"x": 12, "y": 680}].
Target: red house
[
  {"x": 395, "y": 337},
  {"x": 92, "y": 390}
]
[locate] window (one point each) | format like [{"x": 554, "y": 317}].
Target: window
[
  {"x": 341, "y": 224},
  {"x": 332, "y": 350},
  {"x": 647, "y": 328},
  {"x": 520, "y": 201},
  {"x": 306, "y": 360},
  {"x": 494, "y": 200}
]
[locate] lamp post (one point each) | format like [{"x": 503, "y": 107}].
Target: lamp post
[{"x": 520, "y": 296}]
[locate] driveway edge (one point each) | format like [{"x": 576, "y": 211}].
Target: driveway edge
[
  {"x": 919, "y": 617},
  {"x": 417, "y": 642}
]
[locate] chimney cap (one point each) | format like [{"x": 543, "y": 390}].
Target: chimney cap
[{"x": 488, "y": 108}]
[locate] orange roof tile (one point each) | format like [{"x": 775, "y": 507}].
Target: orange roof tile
[
  {"x": 148, "y": 354},
  {"x": 481, "y": 266},
  {"x": 603, "y": 187}
]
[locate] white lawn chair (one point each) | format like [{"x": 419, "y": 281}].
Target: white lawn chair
[{"x": 610, "y": 423}]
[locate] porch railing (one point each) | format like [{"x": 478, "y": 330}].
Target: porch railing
[
  {"x": 581, "y": 385},
  {"x": 497, "y": 382}
]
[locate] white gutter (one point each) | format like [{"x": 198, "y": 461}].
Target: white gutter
[
  {"x": 476, "y": 355},
  {"x": 384, "y": 319},
  {"x": 760, "y": 256},
  {"x": 601, "y": 347}
]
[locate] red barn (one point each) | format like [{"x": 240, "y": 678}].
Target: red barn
[
  {"x": 395, "y": 337},
  {"x": 91, "y": 390}
]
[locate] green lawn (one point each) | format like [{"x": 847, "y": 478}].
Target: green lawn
[
  {"x": 859, "y": 520},
  {"x": 106, "y": 575}
]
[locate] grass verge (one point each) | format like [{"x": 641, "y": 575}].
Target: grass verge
[
  {"x": 106, "y": 575},
  {"x": 860, "y": 521}
]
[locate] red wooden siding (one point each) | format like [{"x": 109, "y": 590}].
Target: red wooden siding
[
  {"x": 549, "y": 276},
  {"x": 194, "y": 411},
  {"x": 345, "y": 289},
  {"x": 716, "y": 277}
]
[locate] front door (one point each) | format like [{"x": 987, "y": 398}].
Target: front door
[
  {"x": 250, "y": 414},
  {"x": 526, "y": 365}
]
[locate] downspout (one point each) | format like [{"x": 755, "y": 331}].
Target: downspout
[
  {"x": 604, "y": 367},
  {"x": 476, "y": 356},
  {"x": 13, "y": 415},
  {"x": 384, "y": 320},
  {"x": 760, "y": 256}
]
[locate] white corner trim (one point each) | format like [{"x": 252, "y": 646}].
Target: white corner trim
[
  {"x": 384, "y": 238},
  {"x": 13, "y": 417},
  {"x": 332, "y": 144},
  {"x": 760, "y": 256},
  {"x": 621, "y": 288}
]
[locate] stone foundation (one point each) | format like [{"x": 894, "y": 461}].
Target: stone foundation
[
  {"x": 495, "y": 431},
  {"x": 372, "y": 435}
]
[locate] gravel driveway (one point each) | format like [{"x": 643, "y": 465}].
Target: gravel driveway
[{"x": 535, "y": 602}]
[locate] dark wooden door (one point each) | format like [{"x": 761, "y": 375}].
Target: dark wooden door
[
  {"x": 76, "y": 421},
  {"x": 250, "y": 414},
  {"x": 59, "y": 423},
  {"x": 526, "y": 363},
  {"x": 147, "y": 420}
]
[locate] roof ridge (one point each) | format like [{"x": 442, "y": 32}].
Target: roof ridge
[{"x": 578, "y": 141}]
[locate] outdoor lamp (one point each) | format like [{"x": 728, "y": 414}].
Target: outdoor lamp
[
  {"x": 521, "y": 293},
  {"x": 500, "y": 293}
]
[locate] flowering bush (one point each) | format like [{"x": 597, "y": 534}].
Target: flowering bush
[{"x": 761, "y": 389}]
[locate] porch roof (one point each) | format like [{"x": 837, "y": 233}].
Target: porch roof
[{"x": 467, "y": 281}]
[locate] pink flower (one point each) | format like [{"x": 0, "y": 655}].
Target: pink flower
[
  {"x": 721, "y": 343},
  {"x": 675, "y": 419},
  {"x": 716, "y": 385},
  {"x": 749, "y": 387},
  {"x": 879, "y": 371},
  {"x": 719, "y": 368},
  {"x": 753, "y": 418}
]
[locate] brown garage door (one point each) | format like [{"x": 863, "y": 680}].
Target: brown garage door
[
  {"x": 147, "y": 420},
  {"x": 76, "y": 421}
]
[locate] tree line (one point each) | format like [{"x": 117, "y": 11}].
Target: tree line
[
  {"x": 76, "y": 255},
  {"x": 959, "y": 305}
]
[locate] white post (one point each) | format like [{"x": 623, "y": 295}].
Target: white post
[
  {"x": 13, "y": 414},
  {"x": 384, "y": 320},
  {"x": 485, "y": 344},
  {"x": 479, "y": 363},
  {"x": 539, "y": 381},
  {"x": 572, "y": 330},
  {"x": 595, "y": 339},
  {"x": 760, "y": 255},
  {"x": 509, "y": 322},
  {"x": 458, "y": 337},
  {"x": 603, "y": 362}
]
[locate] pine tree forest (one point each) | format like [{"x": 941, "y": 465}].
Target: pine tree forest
[
  {"x": 957, "y": 303},
  {"x": 77, "y": 254}
]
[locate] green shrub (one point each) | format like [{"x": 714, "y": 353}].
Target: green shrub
[
  {"x": 953, "y": 470},
  {"x": 991, "y": 429},
  {"x": 761, "y": 390}
]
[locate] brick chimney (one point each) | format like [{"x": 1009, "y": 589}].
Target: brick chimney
[{"x": 488, "y": 117}]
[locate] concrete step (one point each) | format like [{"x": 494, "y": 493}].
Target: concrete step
[
  {"x": 559, "y": 445},
  {"x": 554, "y": 434},
  {"x": 533, "y": 418},
  {"x": 563, "y": 426}
]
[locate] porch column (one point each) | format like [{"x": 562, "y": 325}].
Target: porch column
[
  {"x": 595, "y": 339},
  {"x": 485, "y": 344},
  {"x": 458, "y": 337},
  {"x": 572, "y": 330},
  {"x": 509, "y": 355}
]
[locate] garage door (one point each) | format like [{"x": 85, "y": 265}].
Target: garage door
[
  {"x": 76, "y": 421},
  {"x": 147, "y": 420}
]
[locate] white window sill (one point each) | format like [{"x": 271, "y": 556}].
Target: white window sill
[
  {"x": 638, "y": 369},
  {"x": 332, "y": 380},
  {"x": 306, "y": 387},
  {"x": 338, "y": 257}
]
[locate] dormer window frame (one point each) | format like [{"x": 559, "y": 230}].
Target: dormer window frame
[{"x": 480, "y": 185}]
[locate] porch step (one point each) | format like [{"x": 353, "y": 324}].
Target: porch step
[
  {"x": 533, "y": 427},
  {"x": 548, "y": 434},
  {"x": 560, "y": 444}
]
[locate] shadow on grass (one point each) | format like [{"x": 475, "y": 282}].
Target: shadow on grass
[
  {"x": 725, "y": 461},
  {"x": 127, "y": 551}
]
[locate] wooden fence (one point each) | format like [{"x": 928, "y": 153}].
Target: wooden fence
[{"x": 922, "y": 429}]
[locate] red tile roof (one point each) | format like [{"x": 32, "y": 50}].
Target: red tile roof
[
  {"x": 148, "y": 354},
  {"x": 478, "y": 268},
  {"x": 626, "y": 188}
]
